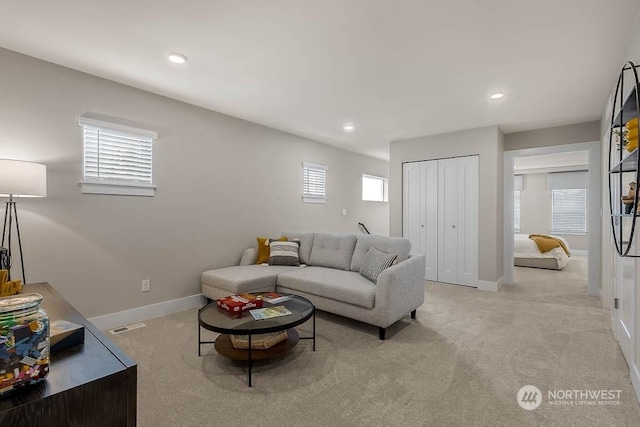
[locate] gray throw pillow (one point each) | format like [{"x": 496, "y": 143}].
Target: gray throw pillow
[
  {"x": 375, "y": 262},
  {"x": 284, "y": 253}
]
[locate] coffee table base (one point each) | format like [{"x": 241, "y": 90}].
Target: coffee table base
[{"x": 224, "y": 347}]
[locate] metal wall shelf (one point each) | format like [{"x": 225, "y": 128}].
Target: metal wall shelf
[{"x": 625, "y": 107}]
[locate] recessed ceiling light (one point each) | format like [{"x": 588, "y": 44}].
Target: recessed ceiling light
[
  {"x": 497, "y": 95},
  {"x": 177, "y": 58},
  {"x": 349, "y": 127}
]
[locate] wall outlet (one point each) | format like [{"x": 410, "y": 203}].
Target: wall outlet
[
  {"x": 344, "y": 212},
  {"x": 146, "y": 285}
]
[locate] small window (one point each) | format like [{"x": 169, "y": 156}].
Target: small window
[
  {"x": 117, "y": 159},
  {"x": 516, "y": 210},
  {"x": 375, "y": 188},
  {"x": 569, "y": 211},
  {"x": 314, "y": 183}
]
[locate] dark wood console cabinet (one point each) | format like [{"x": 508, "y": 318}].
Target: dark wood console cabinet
[{"x": 90, "y": 384}]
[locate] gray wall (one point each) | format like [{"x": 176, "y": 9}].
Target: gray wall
[
  {"x": 486, "y": 142},
  {"x": 535, "y": 211},
  {"x": 221, "y": 182},
  {"x": 580, "y": 132}
]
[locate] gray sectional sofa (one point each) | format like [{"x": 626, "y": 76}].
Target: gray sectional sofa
[{"x": 331, "y": 278}]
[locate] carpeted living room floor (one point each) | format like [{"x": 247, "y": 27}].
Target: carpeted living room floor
[{"x": 460, "y": 363}]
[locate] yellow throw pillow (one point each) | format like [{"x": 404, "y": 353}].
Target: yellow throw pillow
[{"x": 263, "y": 248}]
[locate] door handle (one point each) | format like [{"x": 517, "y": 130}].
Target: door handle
[
  {"x": 453, "y": 226},
  {"x": 422, "y": 226}
]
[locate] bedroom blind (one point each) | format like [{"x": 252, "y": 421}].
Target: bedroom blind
[
  {"x": 516, "y": 210},
  {"x": 567, "y": 180},
  {"x": 569, "y": 210}
]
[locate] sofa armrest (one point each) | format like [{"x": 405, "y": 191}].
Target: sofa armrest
[
  {"x": 249, "y": 256},
  {"x": 400, "y": 288}
]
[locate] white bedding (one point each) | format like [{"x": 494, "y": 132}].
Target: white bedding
[{"x": 524, "y": 247}]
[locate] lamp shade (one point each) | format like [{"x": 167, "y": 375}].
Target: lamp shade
[{"x": 22, "y": 179}]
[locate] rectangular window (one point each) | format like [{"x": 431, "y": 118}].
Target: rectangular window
[
  {"x": 516, "y": 210},
  {"x": 569, "y": 211},
  {"x": 314, "y": 183},
  {"x": 374, "y": 188},
  {"x": 118, "y": 159}
]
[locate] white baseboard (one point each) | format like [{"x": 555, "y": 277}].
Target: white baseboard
[
  {"x": 485, "y": 285},
  {"x": 635, "y": 380},
  {"x": 138, "y": 314}
]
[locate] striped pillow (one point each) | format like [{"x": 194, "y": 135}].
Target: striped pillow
[
  {"x": 284, "y": 253},
  {"x": 374, "y": 262}
]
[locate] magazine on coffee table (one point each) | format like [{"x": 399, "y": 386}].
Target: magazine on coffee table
[
  {"x": 269, "y": 312},
  {"x": 275, "y": 298}
]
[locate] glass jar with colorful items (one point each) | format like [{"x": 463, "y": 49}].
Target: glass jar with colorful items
[{"x": 24, "y": 341}]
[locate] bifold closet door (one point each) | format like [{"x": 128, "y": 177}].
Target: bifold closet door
[
  {"x": 458, "y": 220},
  {"x": 467, "y": 226},
  {"x": 420, "y": 213}
]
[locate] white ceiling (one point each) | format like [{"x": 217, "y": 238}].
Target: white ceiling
[
  {"x": 396, "y": 69},
  {"x": 567, "y": 161}
]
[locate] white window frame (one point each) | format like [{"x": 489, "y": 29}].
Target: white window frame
[
  {"x": 115, "y": 186},
  {"x": 314, "y": 183},
  {"x": 517, "y": 211},
  {"x": 556, "y": 228},
  {"x": 384, "y": 186}
]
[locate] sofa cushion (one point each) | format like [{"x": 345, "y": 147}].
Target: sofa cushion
[
  {"x": 263, "y": 248},
  {"x": 306, "y": 242},
  {"x": 332, "y": 250},
  {"x": 246, "y": 278},
  {"x": 391, "y": 245},
  {"x": 340, "y": 285},
  {"x": 375, "y": 262},
  {"x": 284, "y": 253}
]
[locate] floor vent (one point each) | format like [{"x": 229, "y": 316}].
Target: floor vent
[{"x": 121, "y": 329}]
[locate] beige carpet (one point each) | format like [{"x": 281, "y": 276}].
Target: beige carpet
[{"x": 460, "y": 363}]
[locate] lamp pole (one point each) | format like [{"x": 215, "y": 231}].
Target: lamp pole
[{"x": 10, "y": 213}]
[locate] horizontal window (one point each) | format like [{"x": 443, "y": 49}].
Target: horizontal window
[{"x": 375, "y": 188}]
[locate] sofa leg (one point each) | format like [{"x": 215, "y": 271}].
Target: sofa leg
[
  {"x": 382, "y": 333},
  {"x": 413, "y": 314},
  {"x": 209, "y": 300}
]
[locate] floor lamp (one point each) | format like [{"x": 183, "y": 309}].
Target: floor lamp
[{"x": 18, "y": 179}]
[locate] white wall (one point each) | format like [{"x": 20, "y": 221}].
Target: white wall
[
  {"x": 487, "y": 142},
  {"x": 535, "y": 211},
  {"x": 221, "y": 182},
  {"x": 569, "y": 134}
]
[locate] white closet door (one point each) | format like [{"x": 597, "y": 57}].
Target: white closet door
[
  {"x": 467, "y": 223},
  {"x": 429, "y": 205},
  {"x": 411, "y": 215},
  {"x": 448, "y": 220}
]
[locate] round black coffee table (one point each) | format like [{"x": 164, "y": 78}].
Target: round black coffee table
[{"x": 214, "y": 319}]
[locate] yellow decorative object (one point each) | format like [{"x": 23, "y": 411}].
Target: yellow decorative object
[
  {"x": 8, "y": 288},
  {"x": 631, "y": 145},
  {"x": 632, "y": 124},
  {"x": 632, "y": 134}
]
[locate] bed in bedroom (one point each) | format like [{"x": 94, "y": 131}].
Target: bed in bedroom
[{"x": 527, "y": 254}]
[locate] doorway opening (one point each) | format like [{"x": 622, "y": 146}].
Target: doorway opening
[{"x": 554, "y": 191}]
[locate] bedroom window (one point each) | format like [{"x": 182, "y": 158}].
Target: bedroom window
[
  {"x": 374, "y": 188},
  {"x": 314, "y": 183},
  {"x": 569, "y": 211},
  {"x": 516, "y": 210},
  {"x": 117, "y": 159}
]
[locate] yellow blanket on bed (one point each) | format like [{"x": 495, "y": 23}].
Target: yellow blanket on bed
[{"x": 546, "y": 243}]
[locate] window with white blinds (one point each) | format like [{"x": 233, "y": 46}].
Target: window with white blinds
[
  {"x": 117, "y": 159},
  {"x": 516, "y": 210},
  {"x": 569, "y": 210},
  {"x": 314, "y": 183}
]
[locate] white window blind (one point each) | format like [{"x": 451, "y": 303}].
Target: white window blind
[
  {"x": 569, "y": 210},
  {"x": 117, "y": 159},
  {"x": 374, "y": 188},
  {"x": 314, "y": 183},
  {"x": 516, "y": 210}
]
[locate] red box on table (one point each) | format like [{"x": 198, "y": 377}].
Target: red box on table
[{"x": 238, "y": 304}]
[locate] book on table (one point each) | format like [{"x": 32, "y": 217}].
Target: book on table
[
  {"x": 270, "y": 312},
  {"x": 275, "y": 298}
]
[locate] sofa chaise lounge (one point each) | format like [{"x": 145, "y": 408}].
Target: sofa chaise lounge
[{"x": 331, "y": 277}]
